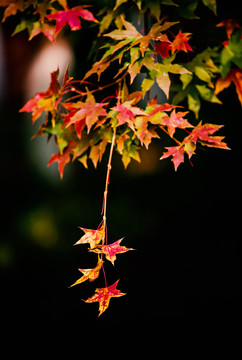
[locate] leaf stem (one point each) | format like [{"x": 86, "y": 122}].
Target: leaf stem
[
  {"x": 106, "y": 185},
  {"x": 105, "y": 278},
  {"x": 146, "y": 31},
  {"x": 105, "y": 197}
]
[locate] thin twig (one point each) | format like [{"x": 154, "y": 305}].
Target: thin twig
[{"x": 106, "y": 185}]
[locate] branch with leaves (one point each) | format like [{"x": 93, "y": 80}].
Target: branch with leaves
[{"x": 85, "y": 128}]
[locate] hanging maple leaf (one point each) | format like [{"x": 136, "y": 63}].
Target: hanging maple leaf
[
  {"x": 235, "y": 76},
  {"x": 181, "y": 42},
  {"x": 62, "y": 159},
  {"x": 177, "y": 153},
  {"x": 44, "y": 101},
  {"x": 93, "y": 237},
  {"x": 103, "y": 296},
  {"x": 111, "y": 250},
  {"x": 89, "y": 274},
  {"x": 71, "y": 17}
]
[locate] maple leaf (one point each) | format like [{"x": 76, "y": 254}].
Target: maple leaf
[
  {"x": 127, "y": 113},
  {"x": 62, "y": 159},
  {"x": 97, "y": 151},
  {"x": 130, "y": 31},
  {"x": 235, "y": 76},
  {"x": 229, "y": 25},
  {"x": 47, "y": 30},
  {"x": 89, "y": 274},
  {"x": 87, "y": 113},
  {"x": 163, "y": 46},
  {"x": 181, "y": 42},
  {"x": 153, "y": 108},
  {"x": 111, "y": 250},
  {"x": 175, "y": 120},
  {"x": 177, "y": 153},
  {"x": 203, "y": 134},
  {"x": 103, "y": 296},
  {"x": 13, "y": 6},
  {"x": 93, "y": 237},
  {"x": 71, "y": 16},
  {"x": 155, "y": 33},
  {"x": 129, "y": 152},
  {"x": 143, "y": 133},
  {"x": 44, "y": 101}
]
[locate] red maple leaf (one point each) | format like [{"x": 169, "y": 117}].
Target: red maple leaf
[
  {"x": 103, "y": 296},
  {"x": 62, "y": 159},
  {"x": 181, "y": 42},
  {"x": 177, "y": 153},
  {"x": 127, "y": 114},
  {"x": 71, "y": 16},
  {"x": 44, "y": 101},
  {"x": 111, "y": 250},
  {"x": 163, "y": 46}
]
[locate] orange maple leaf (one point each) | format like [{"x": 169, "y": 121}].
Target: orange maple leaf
[
  {"x": 89, "y": 274},
  {"x": 103, "y": 296},
  {"x": 13, "y": 7},
  {"x": 111, "y": 250},
  {"x": 229, "y": 25},
  {"x": 93, "y": 237},
  {"x": 235, "y": 76},
  {"x": 87, "y": 113},
  {"x": 181, "y": 42}
]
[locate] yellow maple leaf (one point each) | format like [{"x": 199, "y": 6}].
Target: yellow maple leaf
[{"x": 89, "y": 274}]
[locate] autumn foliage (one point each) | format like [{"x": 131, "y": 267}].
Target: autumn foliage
[{"x": 84, "y": 127}]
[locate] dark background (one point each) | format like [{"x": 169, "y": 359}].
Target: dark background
[{"x": 183, "y": 282}]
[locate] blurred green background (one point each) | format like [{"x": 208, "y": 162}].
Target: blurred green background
[{"x": 183, "y": 280}]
